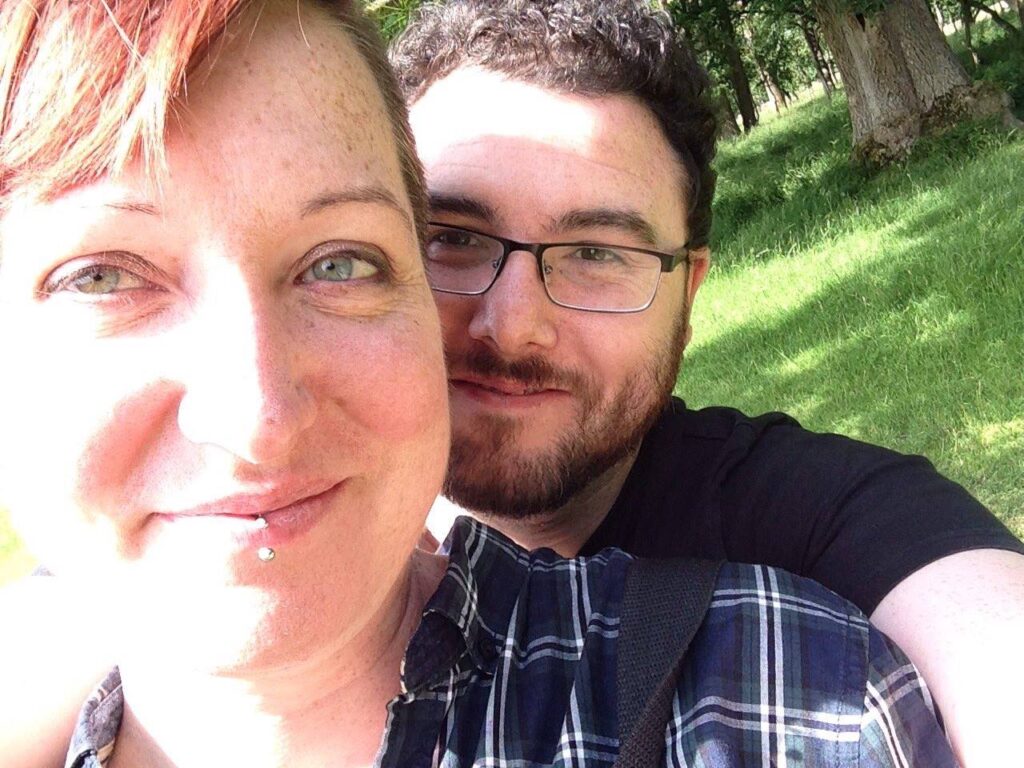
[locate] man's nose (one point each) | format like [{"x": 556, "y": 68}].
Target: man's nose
[
  {"x": 516, "y": 315},
  {"x": 244, "y": 389}
]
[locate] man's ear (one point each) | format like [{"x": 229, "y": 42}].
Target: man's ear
[{"x": 700, "y": 263}]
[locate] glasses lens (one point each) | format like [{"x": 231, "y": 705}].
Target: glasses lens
[
  {"x": 459, "y": 261},
  {"x": 599, "y": 277}
]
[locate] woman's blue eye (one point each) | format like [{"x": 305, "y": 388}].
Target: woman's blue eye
[
  {"x": 338, "y": 268},
  {"x": 98, "y": 280}
]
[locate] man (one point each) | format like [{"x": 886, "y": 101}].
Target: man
[{"x": 587, "y": 122}]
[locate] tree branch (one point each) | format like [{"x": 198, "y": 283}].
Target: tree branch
[{"x": 999, "y": 20}]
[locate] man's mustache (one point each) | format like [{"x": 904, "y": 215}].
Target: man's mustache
[{"x": 531, "y": 372}]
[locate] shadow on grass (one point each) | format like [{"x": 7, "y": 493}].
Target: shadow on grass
[{"x": 920, "y": 349}]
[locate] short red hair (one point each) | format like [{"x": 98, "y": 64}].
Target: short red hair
[{"x": 86, "y": 85}]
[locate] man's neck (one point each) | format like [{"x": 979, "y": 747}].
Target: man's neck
[
  {"x": 567, "y": 528},
  {"x": 330, "y": 710}
]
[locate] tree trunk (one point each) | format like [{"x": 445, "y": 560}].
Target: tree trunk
[
  {"x": 967, "y": 17},
  {"x": 734, "y": 62},
  {"x": 884, "y": 112},
  {"x": 901, "y": 77},
  {"x": 818, "y": 57},
  {"x": 771, "y": 85},
  {"x": 727, "y": 127},
  {"x": 769, "y": 75}
]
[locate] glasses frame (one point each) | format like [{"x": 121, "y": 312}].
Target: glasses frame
[{"x": 669, "y": 262}]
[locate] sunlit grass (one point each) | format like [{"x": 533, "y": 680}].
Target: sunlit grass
[{"x": 886, "y": 306}]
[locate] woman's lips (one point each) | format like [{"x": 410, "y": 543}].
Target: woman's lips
[{"x": 238, "y": 518}]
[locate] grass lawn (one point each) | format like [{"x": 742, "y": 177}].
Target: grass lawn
[
  {"x": 888, "y": 306},
  {"x": 14, "y": 560}
]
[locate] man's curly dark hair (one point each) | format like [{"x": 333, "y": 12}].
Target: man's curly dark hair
[{"x": 586, "y": 47}]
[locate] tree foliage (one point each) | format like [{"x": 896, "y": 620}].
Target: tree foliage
[
  {"x": 901, "y": 78},
  {"x": 392, "y": 16}
]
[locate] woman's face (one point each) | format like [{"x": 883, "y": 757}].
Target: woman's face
[{"x": 250, "y": 333}]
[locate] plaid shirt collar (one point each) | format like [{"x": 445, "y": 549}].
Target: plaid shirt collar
[
  {"x": 455, "y": 623},
  {"x": 98, "y": 721}
]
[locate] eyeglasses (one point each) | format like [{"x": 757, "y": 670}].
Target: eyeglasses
[{"x": 594, "y": 277}]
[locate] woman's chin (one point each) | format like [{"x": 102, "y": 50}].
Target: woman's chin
[
  {"x": 243, "y": 624},
  {"x": 216, "y": 630}
]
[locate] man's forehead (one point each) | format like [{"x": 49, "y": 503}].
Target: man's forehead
[
  {"x": 472, "y": 103},
  {"x": 515, "y": 152}
]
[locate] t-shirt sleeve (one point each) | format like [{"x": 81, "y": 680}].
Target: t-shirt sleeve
[{"x": 855, "y": 517}]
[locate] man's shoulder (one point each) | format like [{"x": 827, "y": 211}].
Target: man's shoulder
[
  {"x": 725, "y": 439},
  {"x": 715, "y": 423}
]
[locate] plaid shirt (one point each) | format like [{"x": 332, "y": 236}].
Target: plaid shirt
[{"x": 514, "y": 665}]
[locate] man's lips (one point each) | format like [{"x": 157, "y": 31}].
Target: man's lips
[{"x": 505, "y": 392}]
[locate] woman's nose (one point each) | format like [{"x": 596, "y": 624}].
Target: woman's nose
[{"x": 244, "y": 388}]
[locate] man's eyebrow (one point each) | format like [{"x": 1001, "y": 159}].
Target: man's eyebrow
[
  {"x": 460, "y": 205},
  {"x": 367, "y": 194},
  {"x": 630, "y": 222}
]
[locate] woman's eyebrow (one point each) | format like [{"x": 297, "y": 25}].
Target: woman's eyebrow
[
  {"x": 134, "y": 206},
  {"x": 365, "y": 194}
]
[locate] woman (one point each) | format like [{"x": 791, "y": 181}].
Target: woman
[
  {"x": 227, "y": 409},
  {"x": 231, "y": 421}
]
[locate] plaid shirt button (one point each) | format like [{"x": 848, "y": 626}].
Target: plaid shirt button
[{"x": 487, "y": 649}]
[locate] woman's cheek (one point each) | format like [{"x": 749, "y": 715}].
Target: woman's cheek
[
  {"x": 74, "y": 430},
  {"x": 390, "y": 377}
]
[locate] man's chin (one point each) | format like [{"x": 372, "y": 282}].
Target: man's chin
[
  {"x": 518, "y": 430},
  {"x": 508, "y": 477}
]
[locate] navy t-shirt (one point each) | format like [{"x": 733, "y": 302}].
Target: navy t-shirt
[{"x": 852, "y": 516}]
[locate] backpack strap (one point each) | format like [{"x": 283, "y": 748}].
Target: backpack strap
[{"x": 663, "y": 605}]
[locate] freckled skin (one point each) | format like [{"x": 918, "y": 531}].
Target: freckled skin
[{"x": 229, "y": 374}]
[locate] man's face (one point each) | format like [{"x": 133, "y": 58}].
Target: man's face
[{"x": 544, "y": 398}]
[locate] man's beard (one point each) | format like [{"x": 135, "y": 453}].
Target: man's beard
[{"x": 488, "y": 474}]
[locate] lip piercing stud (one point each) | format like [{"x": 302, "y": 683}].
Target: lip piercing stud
[
  {"x": 266, "y": 554},
  {"x": 261, "y": 522}
]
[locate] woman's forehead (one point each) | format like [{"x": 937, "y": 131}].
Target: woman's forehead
[
  {"x": 283, "y": 101},
  {"x": 292, "y": 93}
]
